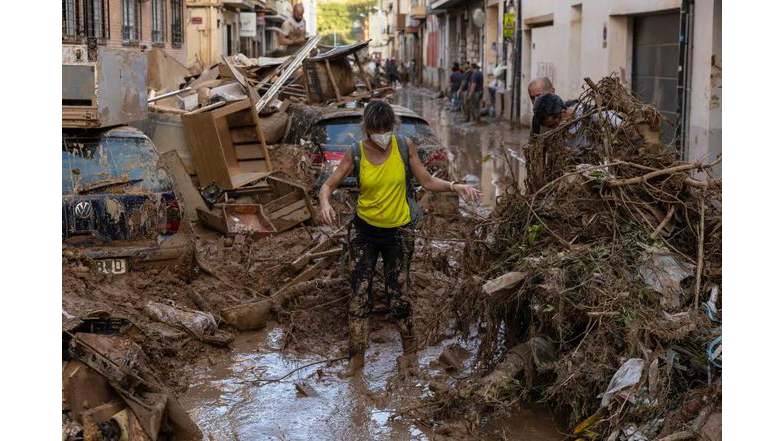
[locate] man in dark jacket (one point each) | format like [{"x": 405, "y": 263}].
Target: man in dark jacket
[
  {"x": 475, "y": 93},
  {"x": 465, "y": 83}
]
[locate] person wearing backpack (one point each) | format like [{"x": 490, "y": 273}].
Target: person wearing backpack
[{"x": 386, "y": 213}]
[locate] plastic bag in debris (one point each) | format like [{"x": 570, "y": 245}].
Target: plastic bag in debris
[
  {"x": 627, "y": 375},
  {"x": 664, "y": 274},
  {"x": 196, "y": 322}
]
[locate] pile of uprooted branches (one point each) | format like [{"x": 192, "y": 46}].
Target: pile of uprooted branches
[{"x": 592, "y": 285}]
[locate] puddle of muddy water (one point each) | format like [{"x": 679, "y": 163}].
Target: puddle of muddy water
[
  {"x": 484, "y": 155},
  {"x": 229, "y": 402}
]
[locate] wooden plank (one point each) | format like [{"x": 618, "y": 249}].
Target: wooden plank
[
  {"x": 244, "y": 135},
  {"x": 248, "y": 151},
  {"x": 362, "y": 72},
  {"x": 253, "y": 166},
  {"x": 207, "y": 108},
  {"x": 241, "y": 119},
  {"x": 260, "y": 134},
  {"x": 206, "y": 150},
  {"x": 307, "y": 274},
  {"x": 281, "y": 202},
  {"x": 290, "y": 208},
  {"x": 332, "y": 80},
  {"x": 227, "y": 146},
  {"x": 182, "y": 180},
  {"x": 272, "y": 180},
  {"x": 246, "y": 178},
  {"x": 212, "y": 219},
  {"x": 231, "y": 108}
]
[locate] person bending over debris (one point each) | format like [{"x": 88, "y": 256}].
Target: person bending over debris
[
  {"x": 550, "y": 111},
  {"x": 383, "y": 223},
  {"x": 538, "y": 87}
]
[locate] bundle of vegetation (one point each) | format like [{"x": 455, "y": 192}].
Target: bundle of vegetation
[{"x": 596, "y": 288}]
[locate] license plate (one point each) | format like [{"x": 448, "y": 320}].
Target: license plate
[{"x": 112, "y": 266}]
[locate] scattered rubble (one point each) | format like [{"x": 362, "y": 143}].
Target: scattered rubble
[{"x": 601, "y": 270}]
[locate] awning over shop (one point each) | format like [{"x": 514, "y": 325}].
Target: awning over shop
[{"x": 446, "y": 4}]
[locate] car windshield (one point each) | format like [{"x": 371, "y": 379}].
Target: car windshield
[
  {"x": 345, "y": 131},
  {"x": 95, "y": 165}
]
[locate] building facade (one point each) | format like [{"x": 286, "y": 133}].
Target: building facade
[
  {"x": 127, "y": 23},
  {"x": 216, "y": 28},
  {"x": 667, "y": 52}
]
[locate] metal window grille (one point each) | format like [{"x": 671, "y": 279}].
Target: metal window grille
[
  {"x": 96, "y": 14},
  {"x": 158, "y": 21},
  {"x": 176, "y": 21},
  {"x": 70, "y": 19},
  {"x": 132, "y": 17}
]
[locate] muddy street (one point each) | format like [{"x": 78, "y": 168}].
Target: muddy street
[{"x": 270, "y": 387}]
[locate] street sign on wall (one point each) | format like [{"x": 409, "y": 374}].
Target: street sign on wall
[
  {"x": 509, "y": 23},
  {"x": 247, "y": 24}
]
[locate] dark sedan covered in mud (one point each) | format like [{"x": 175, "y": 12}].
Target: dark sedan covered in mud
[
  {"x": 119, "y": 204},
  {"x": 335, "y": 132}
]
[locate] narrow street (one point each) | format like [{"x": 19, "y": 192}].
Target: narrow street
[
  {"x": 478, "y": 149},
  {"x": 254, "y": 249}
]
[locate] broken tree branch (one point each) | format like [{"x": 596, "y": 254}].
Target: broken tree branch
[
  {"x": 664, "y": 222},
  {"x": 266, "y": 381},
  {"x": 664, "y": 171},
  {"x": 700, "y": 255}
]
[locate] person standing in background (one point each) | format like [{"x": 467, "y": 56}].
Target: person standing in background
[
  {"x": 475, "y": 93},
  {"x": 292, "y": 35}
]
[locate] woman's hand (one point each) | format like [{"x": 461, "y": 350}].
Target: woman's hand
[
  {"x": 328, "y": 214},
  {"x": 467, "y": 192}
]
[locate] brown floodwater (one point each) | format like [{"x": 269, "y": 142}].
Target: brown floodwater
[{"x": 230, "y": 402}]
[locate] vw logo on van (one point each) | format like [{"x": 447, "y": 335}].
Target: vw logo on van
[{"x": 83, "y": 210}]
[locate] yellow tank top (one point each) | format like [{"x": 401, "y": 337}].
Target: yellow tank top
[{"x": 382, "y": 192}]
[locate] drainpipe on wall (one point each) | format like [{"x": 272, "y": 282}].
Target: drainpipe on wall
[
  {"x": 518, "y": 65},
  {"x": 684, "y": 77}
]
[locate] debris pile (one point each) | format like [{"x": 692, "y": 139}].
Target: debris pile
[{"x": 597, "y": 289}]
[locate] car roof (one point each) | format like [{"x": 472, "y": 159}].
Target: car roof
[
  {"x": 400, "y": 111},
  {"x": 111, "y": 132}
]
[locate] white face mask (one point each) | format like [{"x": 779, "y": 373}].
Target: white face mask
[{"x": 382, "y": 139}]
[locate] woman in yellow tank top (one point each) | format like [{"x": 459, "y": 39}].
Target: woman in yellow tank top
[{"x": 382, "y": 225}]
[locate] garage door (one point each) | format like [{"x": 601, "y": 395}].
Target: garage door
[{"x": 655, "y": 66}]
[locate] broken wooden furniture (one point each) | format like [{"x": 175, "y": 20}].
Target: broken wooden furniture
[
  {"x": 286, "y": 203},
  {"x": 232, "y": 219},
  {"x": 277, "y": 205},
  {"x": 330, "y": 75},
  {"x": 227, "y": 144}
]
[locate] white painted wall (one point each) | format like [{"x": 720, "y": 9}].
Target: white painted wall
[
  {"x": 704, "y": 133},
  {"x": 595, "y": 59},
  {"x": 575, "y": 58}
]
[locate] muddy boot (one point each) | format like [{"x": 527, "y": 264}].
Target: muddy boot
[
  {"x": 408, "y": 363},
  {"x": 358, "y": 329}
]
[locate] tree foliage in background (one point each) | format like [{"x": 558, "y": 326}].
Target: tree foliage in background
[{"x": 341, "y": 19}]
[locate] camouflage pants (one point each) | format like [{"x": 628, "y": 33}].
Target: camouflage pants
[{"x": 396, "y": 247}]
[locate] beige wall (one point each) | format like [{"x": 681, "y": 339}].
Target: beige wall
[
  {"x": 704, "y": 132},
  {"x": 595, "y": 60},
  {"x": 574, "y": 44},
  {"x": 207, "y": 41}
]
